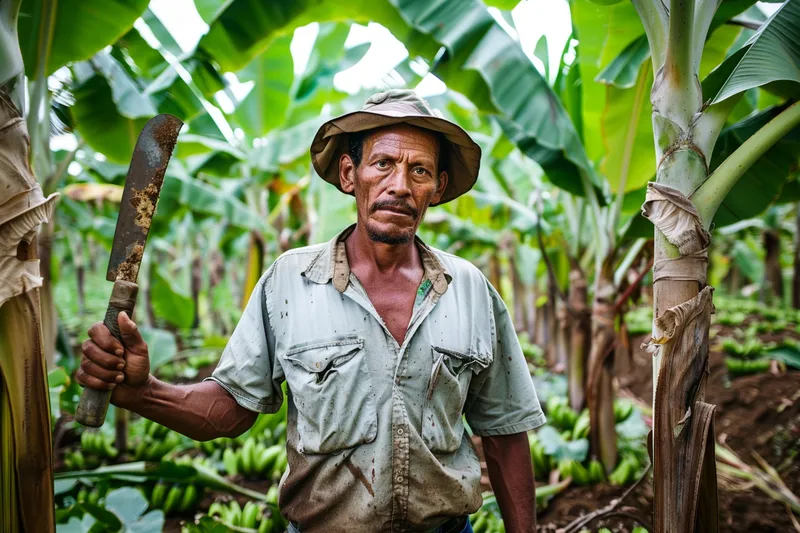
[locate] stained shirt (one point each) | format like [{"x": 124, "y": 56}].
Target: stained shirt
[{"x": 376, "y": 439}]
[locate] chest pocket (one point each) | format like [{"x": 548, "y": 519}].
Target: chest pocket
[
  {"x": 333, "y": 394},
  {"x": 451, "y": 374}
]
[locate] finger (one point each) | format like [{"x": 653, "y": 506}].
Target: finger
[
  {"x": 130, "y": 334},
  {"x": 92, "y": 369},
  {"x": 92, "y": 382},
  {"x": 100, "y": 334},
  {"x": 101, "y": 357}
]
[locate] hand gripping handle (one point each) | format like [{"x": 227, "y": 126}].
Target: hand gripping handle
[{"x": 93, "y": 405}]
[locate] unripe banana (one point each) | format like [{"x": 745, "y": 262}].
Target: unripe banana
[
  {"x": 189, "y": 498},
  {"x": 236, "y": 513},
  {"x": 480, "y": 524},
  {"x": 173, "y": 500},
  {"x": 231, "y": 462},
  {"x": 272, "y": 495},
  {"x": 565, "y": 468},
  {"x": 579, "y": 473},
  {"x": 158, "y": 495},
  {"x": 250, "y": 515},
  {"x": 582, "y": 424},
  {"x": 596, "y": 472},
  {"x": 280, "y": 465},
  {"x": 246, "y": 457},
  {"x": 622, "y": 410}
]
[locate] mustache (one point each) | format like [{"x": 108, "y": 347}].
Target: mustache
[{"x": 380, "y": 204}]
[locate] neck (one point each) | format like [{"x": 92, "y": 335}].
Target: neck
[{"x": 384, "y": 258}]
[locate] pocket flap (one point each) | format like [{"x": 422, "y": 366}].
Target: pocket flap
[
  {"x": 317, "y": 356},
  {"x": 460, "y": 360}
]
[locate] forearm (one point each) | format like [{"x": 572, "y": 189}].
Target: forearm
[
  {"x": 508, "y": 459},
  {"x": 201, "y": 411}
]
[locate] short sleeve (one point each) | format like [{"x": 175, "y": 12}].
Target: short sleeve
[
  {"x": 247, "y": 368},
  {"x": 502, "y": 399}
]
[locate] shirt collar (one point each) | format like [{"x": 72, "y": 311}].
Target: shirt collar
[{"x": 331, "y": 264}]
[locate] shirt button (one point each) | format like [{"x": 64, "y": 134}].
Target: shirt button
[
  {"x": 400, "y": 431},
  {"x": 399, "y": 479}
]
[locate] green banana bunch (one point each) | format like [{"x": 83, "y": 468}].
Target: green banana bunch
[
  {"x": 154, "y": 448},
  {"x": 622, "y": 410},
  {"x": 575, "y": 470},
  {"x": 93, "y": 496},
  {"x": 485, "y": 521},
  {"x": 559, "y": 414},
  {"x": 581, "y": 428},
  {"x": 255, "y": 459},
  {"x": 252, "y": 516},
  {"x": 625, "y": 472},
  {"x": 98, "y": 444},
  {"x": 541, "y": 465},
  {"x": 741, "y": 367},
  {"x": 175, "y": 499},
  {"x": 75, "y": 460},
  {"x": 208, "y": 447},
  {"x": 200, "y": 360},
  {"x": 596, "y": 472},
  {"x": 205, "y": 462},
  {"x": 154, "y": 430}
]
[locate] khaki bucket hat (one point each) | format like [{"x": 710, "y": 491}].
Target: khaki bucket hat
[{"x": 460, "y": 157}]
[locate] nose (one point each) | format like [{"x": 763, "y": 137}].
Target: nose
[{"x": 399, "y": 184}]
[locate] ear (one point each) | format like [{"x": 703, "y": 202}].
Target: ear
[
  {"x": 347, "y": 173},
  {"x": 443, "y": 179}
]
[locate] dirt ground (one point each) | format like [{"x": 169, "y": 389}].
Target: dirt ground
[{"x": 759, "y": 413}]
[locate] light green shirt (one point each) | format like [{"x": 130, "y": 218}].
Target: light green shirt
[{"x": 375, "y": 437}]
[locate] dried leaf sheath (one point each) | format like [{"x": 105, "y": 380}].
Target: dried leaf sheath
[
  {"x": 684, "y": 426},
  {"x": 26, "y": 489},
  {"x": 25, "y": 428},
  {"x": 600, "y": 389}
]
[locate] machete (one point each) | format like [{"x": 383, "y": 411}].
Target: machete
[{"x": 139, "y": 198}]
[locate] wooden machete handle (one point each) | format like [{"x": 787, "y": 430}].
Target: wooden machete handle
[{"x": 93, "y": 405}]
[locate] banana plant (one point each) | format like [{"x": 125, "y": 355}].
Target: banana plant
[
  {"x": 26, "y": 469},
  {"x": 689, "y": 191}
]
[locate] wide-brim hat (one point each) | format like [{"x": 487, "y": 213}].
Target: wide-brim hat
[{"x": 460, "y": 155}]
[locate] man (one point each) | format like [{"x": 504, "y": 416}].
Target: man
[{"x": 384, "y": 343}]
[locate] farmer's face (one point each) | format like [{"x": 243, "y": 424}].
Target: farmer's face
[{"x": 395, "y": 182}]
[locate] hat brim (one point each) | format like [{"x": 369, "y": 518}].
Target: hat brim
[{"x": 461, "y": 158}]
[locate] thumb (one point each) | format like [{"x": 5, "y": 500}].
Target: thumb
[{"x": 131, "y": 336}]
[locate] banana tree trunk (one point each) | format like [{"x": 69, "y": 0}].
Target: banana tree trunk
[
  {"x": 683, "y": 433},
  {"x": 796, "y": 273},
  {"x": 599, "y": 385},
  {"x": 80, "y": 271},
  {"x": 530, "y": 310},
  {"x": 550, "y": 341},
  {"x": 48, "y": 304},
  {"x": 561, "y": 341},
  {"x": 26, "y": 468},
  {"x": 579, "y": 331},
  {"x": 196, "y": 287},
  {"x": 685, "y": 485},
  {"x": 520, "y": 318},
  {"x": 255, "y": 266},
  {"x": 772, "y": 265}
]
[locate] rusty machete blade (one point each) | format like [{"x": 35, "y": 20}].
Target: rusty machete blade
[{"x": 140, "y": 195}]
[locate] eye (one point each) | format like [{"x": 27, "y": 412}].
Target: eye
[
  {"x": 382, "y": 163},
  {"x": 420, "y": 171}
]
